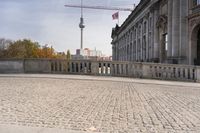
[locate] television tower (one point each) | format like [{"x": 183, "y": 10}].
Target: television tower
[{"x": 81, "y": 25}]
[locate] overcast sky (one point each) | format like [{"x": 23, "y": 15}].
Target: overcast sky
[{"x": 49, "y": 22}]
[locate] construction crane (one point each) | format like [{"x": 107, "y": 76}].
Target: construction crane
[
  {"x": 82, "y": 26},
  {"x": 100, "y": 7}
]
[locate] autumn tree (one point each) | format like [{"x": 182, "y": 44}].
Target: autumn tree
[
  {"x": 68, "y": 55},
  {"x": 46, "y": 52},
  {"x": 60, "y": 55},
  {"x": 23, "y": 49},
  {"x": 28, "y": 49}
]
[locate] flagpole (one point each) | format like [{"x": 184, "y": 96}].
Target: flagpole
[{"x": 116, "y": 16}]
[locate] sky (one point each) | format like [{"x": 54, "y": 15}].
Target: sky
[{"x": 49, "y": 22}]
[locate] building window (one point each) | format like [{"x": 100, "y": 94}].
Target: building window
[
  {"x": 145, "y": 28},
  {"x": 150, "y": 24},
  {"x": 166, "y": 42},
  {"x": 139, "y": 31},
  {"x": 139, "y": 49},
  {"x": 144, "y": 47},
  {"x": 135, "y": 34},
  {"x": 131, "y": 36}
]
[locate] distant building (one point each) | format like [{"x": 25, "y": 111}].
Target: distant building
[
  {"x": 87, "y": 54},
  {"x": 164, "y": 31}
]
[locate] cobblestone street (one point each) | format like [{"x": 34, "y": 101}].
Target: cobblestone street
[{"x": 104, "y": 104}]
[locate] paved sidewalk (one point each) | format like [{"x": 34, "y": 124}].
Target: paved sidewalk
[
  {"x": 34, "y": 103},
  {"x": 106, "y": 78},
  {"x": 24, "y": 129}
]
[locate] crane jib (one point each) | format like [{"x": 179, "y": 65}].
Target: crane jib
[{"x": 100, "y": 7}]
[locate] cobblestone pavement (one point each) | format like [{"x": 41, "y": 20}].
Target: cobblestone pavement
[{"x": 99, "y": 105}]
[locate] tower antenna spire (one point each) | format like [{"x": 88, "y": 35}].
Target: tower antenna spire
[
  {"x": 81, "y": 25},
  {"x": 81, "y": 8}
]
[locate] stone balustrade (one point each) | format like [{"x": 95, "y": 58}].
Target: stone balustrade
[
  {"x": 103, "y": 68},
  {"x": 171, "y": 72}
]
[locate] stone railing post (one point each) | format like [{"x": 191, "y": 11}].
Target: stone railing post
[
  {"x": 70, "y": 67},
  {"x": 111, "y": 68},
  {"x": 94, "y": 68},
  {"x": 66, "y": 66},
  {"x": 198, "y": 74},
  {"x": 145, "y": 70}
]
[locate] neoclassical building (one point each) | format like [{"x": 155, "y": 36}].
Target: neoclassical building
[{"x": 164, "y": 31}]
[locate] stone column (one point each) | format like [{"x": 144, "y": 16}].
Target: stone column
[
  {"x": 122, "y": 49},
  {"x": 129, "y": 52},
  {"x": 176, "y": 28},
  {"x": 117, "y": 51},
  {"x": 113, "y": 51},
  {"x": 122, "y": 53},
  {"x": 126, "y": 47},
  {"x": 150, "y": 37},
  {"x": 114, "y": 54},
  {"x": 183, "y": 29},
  {"x": 136, "y": 45},
  {"x": 169, "y": 26},
  {"x": 124, "y": 44},
  {"x": 133, "y": 48},
  {"x": 147, "y": 39},
  {"x": 141, "y": 42},
  {"x": 125, "y": 50},
  {"x": 156, "y": 36},
  {"x": 129, "y": 47},
  {"x": 132, "y": 41}
]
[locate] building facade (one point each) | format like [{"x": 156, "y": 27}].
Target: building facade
[{"x": 162, "y": 31}]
